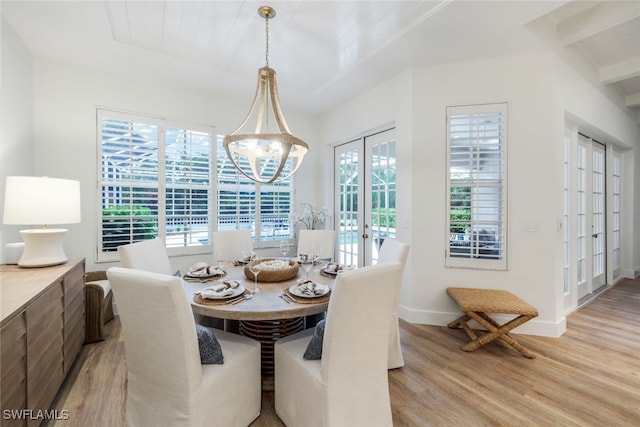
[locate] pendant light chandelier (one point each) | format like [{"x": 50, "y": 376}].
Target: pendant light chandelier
[{"x": 263, "y": 156}]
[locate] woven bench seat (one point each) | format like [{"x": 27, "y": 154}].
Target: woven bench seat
[{"x": 476, "y": 303}]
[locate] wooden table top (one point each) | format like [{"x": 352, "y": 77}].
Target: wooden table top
[{"x": 264, "y": 305}]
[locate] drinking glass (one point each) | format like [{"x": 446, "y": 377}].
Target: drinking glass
[
  {"x": 307, "y": 262},
  {"x": 284, "y": 247},
  {"x": 255, "y": 269},
  {"x": 220, "y": 262}
]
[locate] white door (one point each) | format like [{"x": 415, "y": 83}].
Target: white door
[
  {"x": 365, "y": 170},
  {"x": 598, "y": 223},
  {"x": 590, "y": 216}
]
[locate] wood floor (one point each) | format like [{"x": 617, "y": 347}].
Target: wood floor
[{"x": 588, "y": 377}]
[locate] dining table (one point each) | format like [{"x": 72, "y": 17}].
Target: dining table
[{"x": 266, "y": 315}]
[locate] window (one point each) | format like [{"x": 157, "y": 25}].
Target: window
[
  {"x": 265, "y": 209},
  {"x": 477, "y": 186},
  {"x": 615, "y": 212},
  {"x": 155, "y": 181}
]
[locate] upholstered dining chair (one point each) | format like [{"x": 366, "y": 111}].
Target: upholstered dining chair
[
  {"x": 228, "y": 245},
  {"x": 393, "y": 250},
  {"x": 311, "y": 240},
  {"x": 166, "y": 383},
  {"x": 148, "y": 255},
  {"x": 349, "y": 385}
]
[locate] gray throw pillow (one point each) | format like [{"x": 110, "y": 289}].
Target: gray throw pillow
[
  {"x": 210, "y": 350},
  {"x": 314, "y": 348}
]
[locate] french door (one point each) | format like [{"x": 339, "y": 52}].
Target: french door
[
  {"x": 591, "y": 216},
  {"x": 365, "y": 196}
]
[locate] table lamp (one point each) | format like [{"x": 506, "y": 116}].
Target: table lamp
[{"x": 31, "y": 200}]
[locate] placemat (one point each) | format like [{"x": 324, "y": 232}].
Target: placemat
[
  {"x": 303, "y": 300},
  {"x": 207, "y": 301}
]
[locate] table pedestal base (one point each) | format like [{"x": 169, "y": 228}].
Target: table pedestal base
[{"x": 267, "y": 332}]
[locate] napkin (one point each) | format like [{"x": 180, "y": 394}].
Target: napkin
[
  {"x": 337, "y": 268},
  {"x": 312, "y": 289},
  {"x": 202, "y": 269},
  {"x": 223, "y": 289}
]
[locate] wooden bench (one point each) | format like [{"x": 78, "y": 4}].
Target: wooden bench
[{"x": 476, "y": 303}]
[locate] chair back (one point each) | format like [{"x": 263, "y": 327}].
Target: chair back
[
  {"x": 161, "y": 345},
  {"x": 393, "y": 250},
  {"x": 228, "y": 245},
  {"x": 311, "y": 240},
  {"x": 146, "y": 255},
  {"x": 355, "y": 348}
]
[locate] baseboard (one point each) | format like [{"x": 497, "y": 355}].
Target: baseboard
[
  {"x": 628, "y": 273},
  {"x": 535, "y": 326}
]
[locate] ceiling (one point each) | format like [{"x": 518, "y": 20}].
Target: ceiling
[{"x": 324, "y": 52}]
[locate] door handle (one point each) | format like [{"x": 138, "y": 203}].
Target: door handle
[
  {"x": 365, "y": 236},
  {"x": 594, "y": 235}
]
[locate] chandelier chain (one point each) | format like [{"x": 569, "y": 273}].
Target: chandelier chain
[{"x": 266, "y": 40}]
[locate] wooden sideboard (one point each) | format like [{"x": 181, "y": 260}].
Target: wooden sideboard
[{"x": 41, "y": 334}]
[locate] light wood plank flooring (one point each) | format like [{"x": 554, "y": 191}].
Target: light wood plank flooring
[{"x": 588, "y": 377}]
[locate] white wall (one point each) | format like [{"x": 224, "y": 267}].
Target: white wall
[
  {"x": 417, "y": 102},
  {"x": 66, "y": 98},
  {"x": 604, "y": 119},
  {"x": 16, "y": 119}
]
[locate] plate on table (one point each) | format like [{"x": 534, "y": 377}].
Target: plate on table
[
  {"x": 202, "y": 274},
  {"x": 331, "y": 270},
  {"x": 236, "y": 292},
  {"x": 295, "y": 290}
]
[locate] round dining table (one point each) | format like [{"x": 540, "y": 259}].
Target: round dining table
[
  {"x": 266, "y": 315},
  {"x": 267, "y": 304}
]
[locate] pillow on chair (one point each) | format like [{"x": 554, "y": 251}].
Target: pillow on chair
[
  {"x": 314, "y": 348},
  {"x": 210, "y": 350}
]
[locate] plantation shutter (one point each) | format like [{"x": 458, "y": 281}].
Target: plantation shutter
[
  {"x": 244, "y": 204},
  {"x": 155, "y": 182},
  {"x": 129, "y": 180},
  {"x": 477, "y": 142}
]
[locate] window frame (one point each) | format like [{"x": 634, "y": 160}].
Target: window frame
[{"x": 492, "y": 261}]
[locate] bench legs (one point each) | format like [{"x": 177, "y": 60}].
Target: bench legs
[{"x": 495, "y": 331}]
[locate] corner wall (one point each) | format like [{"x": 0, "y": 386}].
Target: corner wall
[{"x": 16, "y": 117}]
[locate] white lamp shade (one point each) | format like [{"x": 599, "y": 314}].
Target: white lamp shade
[{"x": 31, "y": 200}]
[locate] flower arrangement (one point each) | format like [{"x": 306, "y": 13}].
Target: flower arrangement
[{"x": 310, "y": 217}]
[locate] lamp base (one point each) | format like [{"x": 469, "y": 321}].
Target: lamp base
[{"x": 43, "y": 248}]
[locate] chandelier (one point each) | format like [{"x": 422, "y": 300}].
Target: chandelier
[{"x": 263, "y": 156}]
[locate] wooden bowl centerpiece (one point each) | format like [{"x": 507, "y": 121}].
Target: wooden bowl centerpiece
[{"x": 273, "y": 270}]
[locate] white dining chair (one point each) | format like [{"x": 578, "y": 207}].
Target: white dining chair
[
  {"x": 349, "y": 385},
  {"x": 393, "y": 250},
  {"x": 148, "y": 255},
  {"x": 310, "y": 241},
  {"x": 166, "y": 383},
  {"x": 228, "y": 245}
]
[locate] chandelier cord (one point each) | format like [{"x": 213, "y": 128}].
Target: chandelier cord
[{"x": 266, "y": 40}]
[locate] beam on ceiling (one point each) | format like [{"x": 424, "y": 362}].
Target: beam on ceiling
[
  {"x": 620, "y": 71},
  {"x": 632, "y": 100},
  {"x": 595, "y": 20}
]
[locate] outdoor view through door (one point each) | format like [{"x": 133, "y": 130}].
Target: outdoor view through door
[{"x": 365, "y": 170}]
